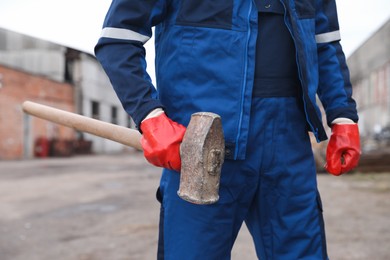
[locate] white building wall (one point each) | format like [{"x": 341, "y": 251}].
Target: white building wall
[
  {"x": 32, "y": 55},
  {"x": 96, "y": 87},
  {"x": 370, "y": 75},
  {"x": 372, "y": 95}
]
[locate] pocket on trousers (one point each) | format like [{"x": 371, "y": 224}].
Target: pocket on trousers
[
  {"x": 159, "y": 195},
  {"x": 322, "y": 226},
  {"x": 319, "y": 202}
]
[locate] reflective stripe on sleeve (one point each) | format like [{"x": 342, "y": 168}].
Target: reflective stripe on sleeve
[
  {"x": 328, "y": 37},
  {"x": 123, "y": 34}
]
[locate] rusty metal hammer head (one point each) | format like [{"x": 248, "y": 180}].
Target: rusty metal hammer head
[{"x": 202, "y": 154}]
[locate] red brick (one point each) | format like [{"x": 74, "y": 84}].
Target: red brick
[{"x": 17, "y": 87}]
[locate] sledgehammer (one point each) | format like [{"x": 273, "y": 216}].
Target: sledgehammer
[{"x": 202, "y": 150}]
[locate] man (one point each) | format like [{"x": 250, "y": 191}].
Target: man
[{"x": 259, "y": 65}]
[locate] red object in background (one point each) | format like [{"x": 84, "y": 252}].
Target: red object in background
[
  {"x": 41, "y": 147},
  {"x": 61, "y": 148}
]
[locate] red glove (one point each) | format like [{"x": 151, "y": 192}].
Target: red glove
[
  {"x": 161, "y": 141},
  {"x": 343, "y": 152}
]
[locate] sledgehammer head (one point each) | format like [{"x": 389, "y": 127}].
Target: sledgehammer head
[{"x": 202, "y": 154}]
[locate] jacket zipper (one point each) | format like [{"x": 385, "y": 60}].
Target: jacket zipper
[
  {"x": 245, "y": 78},
  {"x": 315, "y": 130}
]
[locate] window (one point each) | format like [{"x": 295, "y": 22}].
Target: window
[
  {"x": 71, "y": 56},
  {"x": 95, "y": 110},
  {"x": 130, "y": 123},
  {"x": 114, "y": 115}
]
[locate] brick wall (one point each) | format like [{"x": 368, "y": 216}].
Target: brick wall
[{"x": 16, "y": 87}]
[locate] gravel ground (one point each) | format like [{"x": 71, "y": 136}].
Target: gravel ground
[{"x": 103, "y": 208}]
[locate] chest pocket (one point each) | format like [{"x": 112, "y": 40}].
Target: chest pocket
[
  {"x": 305, "y": 8},
  {"x": 206, "y": 13}
]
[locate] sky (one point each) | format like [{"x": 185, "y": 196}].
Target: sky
[{"x": 77, "y": 23}]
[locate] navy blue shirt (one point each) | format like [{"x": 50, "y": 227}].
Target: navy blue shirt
[
  {"x": 276, "y": 72},
  {"x": 270, "y": 6}
]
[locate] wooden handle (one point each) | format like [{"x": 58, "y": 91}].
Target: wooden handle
[{"x": 81, "y": 123}]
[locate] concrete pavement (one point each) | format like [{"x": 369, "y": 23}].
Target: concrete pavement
[{"x": 103, "y": 207}]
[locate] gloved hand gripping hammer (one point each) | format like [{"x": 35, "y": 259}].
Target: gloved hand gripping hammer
[{"x": 202, "y": 150}]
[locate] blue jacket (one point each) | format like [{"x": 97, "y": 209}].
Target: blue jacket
[{"x": 205, "y": 60}]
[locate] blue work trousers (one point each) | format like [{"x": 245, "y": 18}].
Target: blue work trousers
[{"x": 274, "y": 191}]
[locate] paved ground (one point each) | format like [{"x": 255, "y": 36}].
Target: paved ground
[{"x": 103, "y": 208}]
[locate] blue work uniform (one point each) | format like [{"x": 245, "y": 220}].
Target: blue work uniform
[
  {"x": 261, "y": 68},
  {"x": 274, "y": 189}
]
